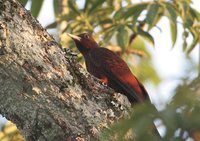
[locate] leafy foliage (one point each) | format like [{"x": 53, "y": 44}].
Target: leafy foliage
[
  {"x": 35, "y": 7},
  {"x": 10, "y": 133},
  {"x": 180, "y": 118},
  {"x": 110, "y": 17}
]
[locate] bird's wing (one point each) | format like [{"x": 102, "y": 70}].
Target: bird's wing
[
  {"x": 116, "y": 70},
  {"x": 144, "y": 91}
]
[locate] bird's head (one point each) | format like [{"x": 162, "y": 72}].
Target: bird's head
[{"x": 84, "y": 42}]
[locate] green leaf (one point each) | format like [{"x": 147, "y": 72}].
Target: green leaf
[
  {"x": 95, "y": 5},
  {"x": 186, "y": 15},
  {"x": 108, "y": 34},
  {"x": 173, "y": 29},
  {"x": 56, "y": 7},
  {"x": 67, "y": 17},
  {"x": 152, "y": 14},
  {"x": 73, "y": 7},
  {"x": 195, "y": 13},
  {"x": 36, "y": 7},
  {"x": 119, "y": 13},
  {"x": 188, "y": 22},
  {"x": 195, "y": 41},
  {"x": 184, "y": 44},
  {"x": 86, "y": 5},
  {"x": 105, "y": 21},
  {"x": 172, "y": 16},
  {"x": 23, "y": 2},
  {"x": 122, "y": 37},
  {"x": 146, "y": 36},
  {"x": 171, "y": 12},
  {"x": 52, "y": 25},
  {"x": 135, "y": 10}
]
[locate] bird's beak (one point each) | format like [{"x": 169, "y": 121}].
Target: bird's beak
[{"x": 74, "y": 36}]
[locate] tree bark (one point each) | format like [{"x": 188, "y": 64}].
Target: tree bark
[{"x": 43, "y": 90}]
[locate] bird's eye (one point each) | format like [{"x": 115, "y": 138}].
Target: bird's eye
[{"x": 86, "y": 36}]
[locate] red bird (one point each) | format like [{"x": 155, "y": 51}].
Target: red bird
[{"x": 110, "y": 68}]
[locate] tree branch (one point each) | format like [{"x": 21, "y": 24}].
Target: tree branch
[{"x": 45, "y": 91}]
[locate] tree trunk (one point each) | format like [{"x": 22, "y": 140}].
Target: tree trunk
[{"x": 43, "y": 90}]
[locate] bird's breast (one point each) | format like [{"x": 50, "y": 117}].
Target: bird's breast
[{"x": 93, "y": 69}]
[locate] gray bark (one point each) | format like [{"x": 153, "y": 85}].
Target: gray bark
[{"x": 44, "y": 91}]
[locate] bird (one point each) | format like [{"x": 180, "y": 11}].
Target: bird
[{"x": 110, "y": 68}]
